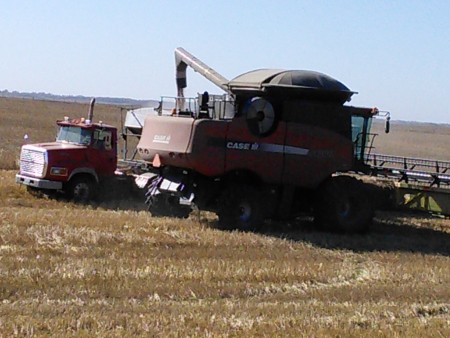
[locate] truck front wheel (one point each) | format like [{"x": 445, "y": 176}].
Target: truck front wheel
[
  {"x": 240, "y": 208},
  {"x": 81, "y": 190}
]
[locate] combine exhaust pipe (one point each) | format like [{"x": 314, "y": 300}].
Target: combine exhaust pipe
[{"x": 183, "y": 59}]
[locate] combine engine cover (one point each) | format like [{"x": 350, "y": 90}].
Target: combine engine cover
[{"x": 184, "y": 142}]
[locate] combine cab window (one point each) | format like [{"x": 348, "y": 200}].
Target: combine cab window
[
  {"x": 77, "y": 135},
  {"x": 360, "y": 130}
]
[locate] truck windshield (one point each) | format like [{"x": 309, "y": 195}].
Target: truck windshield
[{"x": 71, "y": 134}]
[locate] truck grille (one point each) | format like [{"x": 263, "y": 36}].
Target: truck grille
[{"x": 33, "y": 161}]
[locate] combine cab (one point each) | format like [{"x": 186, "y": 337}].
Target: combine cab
[{"x": 277, "y": 143}]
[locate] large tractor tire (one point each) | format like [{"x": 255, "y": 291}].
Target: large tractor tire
[
  {"x": 165, "y": 205},
  {"x": 343, "y": 205},
  {"x": 82, "y": 190},
  {"x": 240, "y": 208}
]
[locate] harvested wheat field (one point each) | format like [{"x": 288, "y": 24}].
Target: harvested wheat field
[{"x": 113, "y": 270}]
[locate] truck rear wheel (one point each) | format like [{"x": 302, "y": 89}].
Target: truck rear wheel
[
  {"x": 240, "y": 208},
  {"x": 343, "y": 205},
  {"x": 165, "y": 205},
  {"x": 81, "y": 190}
]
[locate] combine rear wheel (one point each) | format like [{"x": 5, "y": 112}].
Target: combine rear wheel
[
  {"x": 343, "y": 205},
  {"x": 240, "y": 208}
]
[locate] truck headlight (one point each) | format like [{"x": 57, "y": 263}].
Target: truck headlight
[{"x": 58, "y": 171}]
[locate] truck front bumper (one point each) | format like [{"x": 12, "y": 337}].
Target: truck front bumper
[{"x": 38, "y": 182}]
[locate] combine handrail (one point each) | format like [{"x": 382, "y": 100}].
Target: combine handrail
[{"x": 434, "y": 172}]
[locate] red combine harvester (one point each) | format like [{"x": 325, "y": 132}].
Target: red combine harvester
[{"x": 277, "y": 143}]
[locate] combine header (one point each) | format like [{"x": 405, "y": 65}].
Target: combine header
[{"x": 419, "y": 184}]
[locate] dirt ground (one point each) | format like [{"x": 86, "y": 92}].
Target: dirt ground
[{"x": 69, "y": 270}]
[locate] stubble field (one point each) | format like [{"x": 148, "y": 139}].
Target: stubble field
[{"x": 113, "y": 270}]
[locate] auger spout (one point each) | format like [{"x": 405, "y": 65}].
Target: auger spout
[{"x": 183, "y": 59}]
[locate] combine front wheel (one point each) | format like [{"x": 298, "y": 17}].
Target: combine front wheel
[{"x": 343, "y": 205}]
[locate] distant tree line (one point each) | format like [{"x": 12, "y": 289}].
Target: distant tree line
[{"x": 78, "y": 98}]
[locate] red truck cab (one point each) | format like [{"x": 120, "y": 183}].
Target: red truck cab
[{"x": 82, "y": 156}]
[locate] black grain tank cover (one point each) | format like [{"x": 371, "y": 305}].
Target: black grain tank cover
[{"x": 292, "y": 83}]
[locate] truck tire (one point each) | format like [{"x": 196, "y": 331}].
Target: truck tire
[
  {"x": 165, "y": 205},
  {"x": 81, "y": 190},
  {"x": 343, "y": 205},
  {"x": 240, "y": 208}
]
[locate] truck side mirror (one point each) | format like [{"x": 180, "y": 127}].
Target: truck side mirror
[{"x": 107, "y": 139}]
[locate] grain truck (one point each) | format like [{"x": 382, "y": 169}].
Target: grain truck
[{"x": 82, "y": 162}]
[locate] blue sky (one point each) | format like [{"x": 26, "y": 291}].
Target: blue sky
[{"x": 396, "y": 54}]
